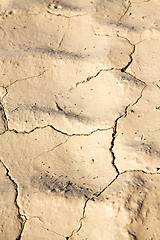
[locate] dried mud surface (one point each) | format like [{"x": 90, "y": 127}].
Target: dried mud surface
[{"x": 79, "y": 120}]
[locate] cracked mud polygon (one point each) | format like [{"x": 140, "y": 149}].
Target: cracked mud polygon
[{"x": 79, "y": 120}]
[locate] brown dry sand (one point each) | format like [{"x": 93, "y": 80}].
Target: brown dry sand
[{"x": 80, "y": 120}]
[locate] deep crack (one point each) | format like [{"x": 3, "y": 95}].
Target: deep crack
[
  {"x": 114, "y": 135},
  {"x": 58, "y": 107},
  {"x": 115, "y": 131},
  {"x": 4, "y": 117},
  {"x": 102, "y": 191},
  {"x": 133, "y": 235},
  {"x": 19, "y": 216},
  {"x": 131, "y": 60}
]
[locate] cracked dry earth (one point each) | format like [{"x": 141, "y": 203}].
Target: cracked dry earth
[{"x": 79, "y": 120}]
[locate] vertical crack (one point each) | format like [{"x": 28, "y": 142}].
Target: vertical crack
[
  {"x": 111, "y": 149},
  {"x": 60, "y": 43},
  {"x": 22, "y": 219},
  {"x": 81, "y": 220},
  {"x": 4, "y": 117},
  {"x": 114, "y": 135},
  {"x": 115, "y": 128},
  {"x": 131, "y": 59}
]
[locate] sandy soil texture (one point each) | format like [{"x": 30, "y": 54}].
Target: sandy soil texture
[{"x": 79, "y": 120}]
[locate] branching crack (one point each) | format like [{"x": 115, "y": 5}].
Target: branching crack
[
  {"x": 85, "y": 205},
  {"x": 114, "y": 135},
  {"x": 95, "y": 196},
  {"x": 81, "y": 220},
  {"x": 115, "y": 131},
  {"x": 123, "y": 69},
  {"x": 110, "y": 69},
  {"x": 22, "y": 219}
]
